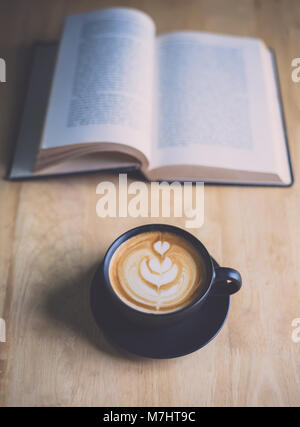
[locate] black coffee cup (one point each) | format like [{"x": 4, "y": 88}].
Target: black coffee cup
[{"x": 220, "y": 281}]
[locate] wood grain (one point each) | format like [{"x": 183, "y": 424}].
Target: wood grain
[{"x": 51, "y": 241}]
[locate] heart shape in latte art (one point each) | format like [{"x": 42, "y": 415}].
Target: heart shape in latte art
[{"x": 161, "y": 247}]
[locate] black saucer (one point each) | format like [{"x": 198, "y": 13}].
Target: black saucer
[{"x": 184, "y": 337}]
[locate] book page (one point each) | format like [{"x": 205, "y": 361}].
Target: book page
[
  {"x": 212, "y": 103},
  {"x": 277, "y": 120},
  {"x": 103, "y": 82}
]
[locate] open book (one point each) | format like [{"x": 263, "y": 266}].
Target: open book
[{"x": 179, "y": 106}]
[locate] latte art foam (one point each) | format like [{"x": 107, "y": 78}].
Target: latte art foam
[{"x": 157, "y": 272}]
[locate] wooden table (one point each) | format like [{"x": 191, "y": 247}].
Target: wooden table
[{"x": 52, "y": 239}]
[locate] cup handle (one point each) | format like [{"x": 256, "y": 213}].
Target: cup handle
[{"x": 227, "y": 281}]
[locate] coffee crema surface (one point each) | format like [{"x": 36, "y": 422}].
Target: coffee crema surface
[{"x": 157, "y": 272}]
